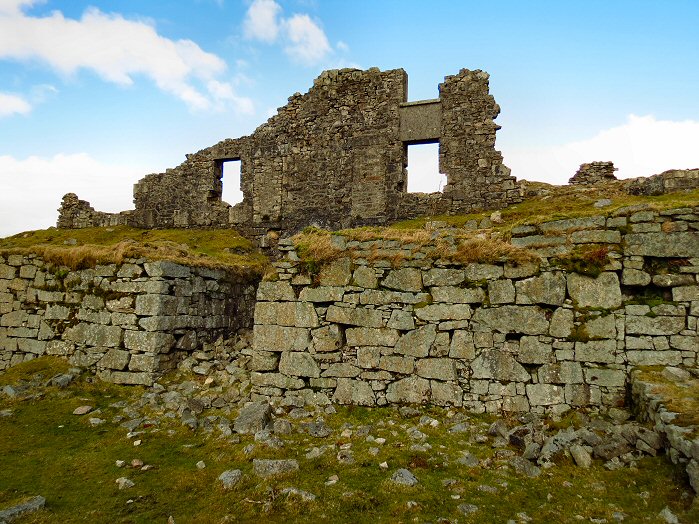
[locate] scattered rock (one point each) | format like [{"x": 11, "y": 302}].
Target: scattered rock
[
  {"x": 82, "y": 410},
  {"x": 62, "y": 380},
  {"x": 230, "y": 478},
  {"x": 253, "y": 418},
  {"x": 269, "y": 468},
  {"x": 668, "y": 516},
  {"x": 318, "y": 429},
  {"x": 295, "y": 492},
  {"x": 404, "y": 477},
  {"x": 522, "y": 465},
  {"x": 467, "y": 509},
  {"x": 201, "y": 465},
  {"x": 580, "y": 455},
  {"x": 28, "y": 506},
  {"x": 124, "y": 483}
]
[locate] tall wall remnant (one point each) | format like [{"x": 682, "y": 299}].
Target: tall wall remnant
[{"x": 336, "y": 157}]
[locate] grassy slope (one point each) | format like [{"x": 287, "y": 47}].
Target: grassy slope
[
  {"x": 46, "y": 450},
  {"x": 78, "y": 248}
]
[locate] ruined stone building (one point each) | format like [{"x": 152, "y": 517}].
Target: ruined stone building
[{"x": 335, "y": 157}]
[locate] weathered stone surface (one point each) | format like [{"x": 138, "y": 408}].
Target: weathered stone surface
[
  {"x": 355, "y": 316},
  {"x": 437, "y": 368},
  {"x": 276, "y": 380},
  {"x": 530, "y": 320},
  {"x": 406, "y": 279},
  {"x": 661, "y": 325},
  {"x": 116, "y": 359},
  {"x": 164, "y": 268},
  {"x": 292, "y": 314},
  {"x": 275, "y": 291},
  {"x": 404, "y": 478},
  {"x": 402, "y": 320},
  {"x": 443, "y": 277},
  {"x": 498, "y": 365},
  {"x": 299, "y": 364},
  {"x": 462, "y": 345},
  {"x": 254, "y": 417},
  {"x": 457, "y": 295},
  {"x": 605, "y": 377},
  {"x": 365, "y": 277},
  {"x": 28, "y": 506},
  {"x": 596, "y": 351},
  {"x": 672, "y": 280},
  {"x": 561, "y": 373},
  {"x": 476, "y": 272},
  {"x": 153, "y": 342},
  {"x": 416, "y": 343},
  {"x": 94, "y": 335},
  {"x": 501, "y": 292},
  {"x": 685, "y": 293},
  {"x": 362, "y": 336},
  {"x": 603, "y": 326},
  {"x": 410, "y": 390},
  {"x": 601, "y": 292},
  {"x": 266, "y": 468},
  {"x": 397, "y": 364},
  {"x": 680, "y": 244},
  {"x": 230, "y": 478},
  {"x": 446, "y": 393},
  {"x": 322, "y": 294},
  {"x": 533, "y": 351},
  {"x": 561, "y": 323},
  {"x": 380, "y": 297},
  {"x": 341, "y": 369},
  {"x": 635, "y": 277},
  {"x": 327, "y": 338},
  {"x": 549, "y": 288},
  {"x": 264, "y": 361},
  {"x": 545, "y": 394},
  {"x": 439, "y": 312},
  {"x": 356, "y": 392},
  {"x": 336, "y": 273},
  {"x": 149, "y": 305},
  {"x": 280, "y": 338}
]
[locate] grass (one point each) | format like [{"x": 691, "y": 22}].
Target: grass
[
  {"x": 561, "y": 202},
  {"x": 316, "y": 246},
  {"x": 81, "y": 248},
  {"x": 48, "y": 451}
]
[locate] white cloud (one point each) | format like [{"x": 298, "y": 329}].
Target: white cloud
[
  {"x": 13, "y": 105},
  {"x": 307, "y": 41},
  {"x": 224, "y": 95},
  {"x": 113, "y": 47},
  {"x": 261, "y": 21},
  {"x": 641, "y": 146},
  {"x": 303, "y": 39},
  {"x": 342, "y": 46},
  {"x": 32, "y": 188}
]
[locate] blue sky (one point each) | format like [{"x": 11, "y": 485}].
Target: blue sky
[{"x": 94, "y": 95}]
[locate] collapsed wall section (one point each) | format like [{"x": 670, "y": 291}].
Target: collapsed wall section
[
  {"x": 127, "y": 322},
  {"x": 488, "y": 337},
  {"x": 334, "y": 157}
]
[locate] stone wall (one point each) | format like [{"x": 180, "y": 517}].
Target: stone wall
[
  {"x": 336, "y": 157},
  {"x": 128, "y": 322},
  {"x": 76, "y": 214},
  {"x": 488, "y": 337},
  {"x": 594, "y": 173},
  {"x": 665, "y": 182}
]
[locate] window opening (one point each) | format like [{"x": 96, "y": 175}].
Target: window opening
[
  {"x": 231, "y": 179},
  {"x": 423, "y": 169}
]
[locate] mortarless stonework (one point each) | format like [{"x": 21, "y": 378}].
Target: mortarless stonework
[
  {"x": 489, "y": 337},
  {"x": 594, "y": 173},
  {"x": 334, "y": 157}
]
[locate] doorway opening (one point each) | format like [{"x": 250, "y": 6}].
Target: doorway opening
[
  {"x": 231, "y": 192},
  {"x": 423, "y": 169}
]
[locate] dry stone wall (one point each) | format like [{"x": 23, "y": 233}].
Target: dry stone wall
[
  {"x": 128, "y": 322},
  {"x": 488, "y": 337}
]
